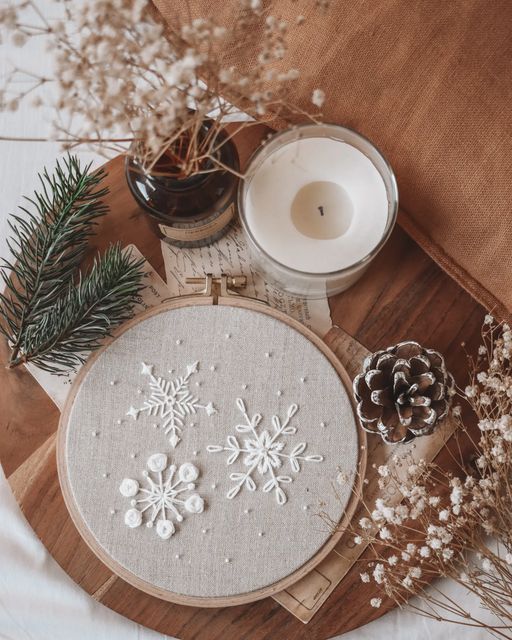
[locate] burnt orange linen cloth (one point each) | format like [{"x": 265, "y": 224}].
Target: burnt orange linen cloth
[{"x": 430, "y": 83}]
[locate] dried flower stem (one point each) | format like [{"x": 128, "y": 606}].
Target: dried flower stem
[
  {"x": 455, "y": 524},
  {"x": 145, "y": 89}
]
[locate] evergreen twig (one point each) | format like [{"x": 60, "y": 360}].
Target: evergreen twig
[
  {"x": 85, "y": 313},
  {"x": 48, "y": 309}
]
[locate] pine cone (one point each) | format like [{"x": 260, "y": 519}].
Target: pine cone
[{"x": 404, "y": 391}]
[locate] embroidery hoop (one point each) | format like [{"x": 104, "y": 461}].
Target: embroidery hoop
[{"x": 217, "y": 291}]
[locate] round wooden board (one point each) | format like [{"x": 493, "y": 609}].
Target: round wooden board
[
  {"x": 116, "y": 567},
  {"x": 403, "y": 294}
]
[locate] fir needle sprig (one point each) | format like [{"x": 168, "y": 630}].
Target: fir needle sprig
[
  {"x": 48, "y": 307},
  {"x": 85, "y": 314}
]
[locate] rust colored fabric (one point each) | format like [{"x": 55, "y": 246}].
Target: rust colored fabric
[{"x": 430, "y": 82}]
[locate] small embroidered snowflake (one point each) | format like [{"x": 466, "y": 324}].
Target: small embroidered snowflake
[
  {"x": 171, "y": 400},
  {"x": 164, "y": 497},
  {"x": 263, "y": 453}
]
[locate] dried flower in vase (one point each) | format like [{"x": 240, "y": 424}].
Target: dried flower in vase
[
  {"x": 132, "y": 85},
  {"x": 161, "y": 95}
]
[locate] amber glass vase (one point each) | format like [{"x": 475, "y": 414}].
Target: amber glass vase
[{"x": 189, "y": 212}]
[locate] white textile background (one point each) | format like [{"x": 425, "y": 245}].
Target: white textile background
[{"x": 38, "y": 601}]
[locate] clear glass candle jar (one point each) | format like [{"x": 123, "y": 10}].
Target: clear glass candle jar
[{"x": 317, "y": 205}]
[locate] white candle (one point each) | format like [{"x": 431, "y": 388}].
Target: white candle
[{"x": 316, "y": 207}]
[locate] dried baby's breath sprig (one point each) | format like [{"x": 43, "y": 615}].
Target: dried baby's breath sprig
[
  {"x": 457, "y": 525},
  {"x": 136, "y": 83}
]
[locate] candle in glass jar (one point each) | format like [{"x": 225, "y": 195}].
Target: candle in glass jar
[{"x": 316, "y": 207}]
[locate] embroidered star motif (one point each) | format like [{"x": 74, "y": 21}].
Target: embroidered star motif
[
  {"x": 147, "y": 369},
  {"x": 133, "y": 412}
]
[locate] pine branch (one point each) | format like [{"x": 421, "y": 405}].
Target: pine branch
[
  {"x": 47, "y": 246},
  {"x": 84, "y": 314}
]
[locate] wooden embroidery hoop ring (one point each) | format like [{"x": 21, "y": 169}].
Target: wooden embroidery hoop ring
[{"x": 217, "y": 291}]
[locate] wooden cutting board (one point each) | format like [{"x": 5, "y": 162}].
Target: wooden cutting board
[{"x": 402, "y": 295}]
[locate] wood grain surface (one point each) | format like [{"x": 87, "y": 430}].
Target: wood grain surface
[{"x": 403, "y": 295}]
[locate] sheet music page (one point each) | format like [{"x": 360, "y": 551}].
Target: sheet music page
[{"x": 230, "y": 255}]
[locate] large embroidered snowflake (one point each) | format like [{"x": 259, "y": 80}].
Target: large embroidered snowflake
[
  {"x": 164, "y": 497},
  {"x": 171, "y": 400},
  {"x": 263, "y": 453}
]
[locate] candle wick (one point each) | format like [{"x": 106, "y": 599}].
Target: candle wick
[{"x": 321, "y": 209}]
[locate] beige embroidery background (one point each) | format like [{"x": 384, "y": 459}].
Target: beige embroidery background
[{"x": 227, "y": 528}]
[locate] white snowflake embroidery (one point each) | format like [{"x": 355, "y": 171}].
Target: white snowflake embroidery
[
  {"x": 171, "y": 400},
  {"x": 263, "y": 453},
  {"x": 164, "y": 496}
]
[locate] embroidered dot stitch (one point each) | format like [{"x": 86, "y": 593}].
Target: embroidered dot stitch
[
  {"x": 172, "y": 400},
  {"x": 263, "y": 453},
  {"x": 167, "y": 495}
]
